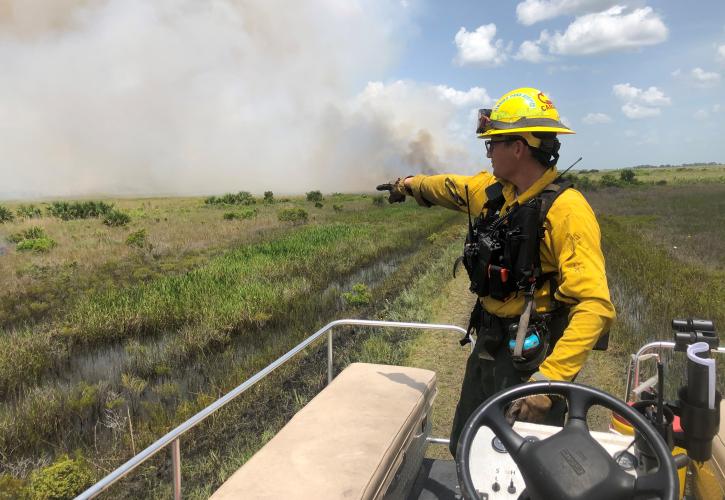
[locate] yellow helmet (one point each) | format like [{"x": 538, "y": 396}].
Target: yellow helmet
[{"x": 520, "y": 111}]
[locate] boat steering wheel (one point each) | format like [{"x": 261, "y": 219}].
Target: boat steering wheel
[{"x": 569, "y": 465}]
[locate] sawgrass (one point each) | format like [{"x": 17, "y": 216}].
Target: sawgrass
[
  {"x": 202, "y": 315},
  {"x": 664, "y": 253},
  {"x": 415, "y": 302}
]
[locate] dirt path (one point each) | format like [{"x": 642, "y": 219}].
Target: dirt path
[{"x": 441, "y": 352}]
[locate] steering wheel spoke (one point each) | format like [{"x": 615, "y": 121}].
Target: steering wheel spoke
[
  {"x": 650, "y": 483},
  {"x": 511, "y": 439},
  {"x": 579, "y": 404}
]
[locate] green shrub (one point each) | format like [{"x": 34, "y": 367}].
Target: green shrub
[
  {"x": 64, "y": 478},
  {"x": 661, "y": 182},
  {"x": 38, "y": 245},
  {"x": 137, "y": 239},
  {"x": 319, "y": 204},
  {"x": 608, "y": 180},
  {"x": 240, "y": 198},
  {"x": 31, "y": 233},
  {"x": 314, "y": 196},
  {"x": 359, "y": 296},
  {"x": 378, "y": 200},
  {"x": 627, "y": 176},
  {"x": 6, "y": 215},
  {"x": 32, "y": 239},
  {"x": 67, "y": 210},
  {"x": 337, "y": 208},
  {"x": 28, "y": 211},
  {"x": 268, "y": 197},
  {"x": 116, "y": 218},
  {"x": 249, "y": 213},
  {"x": 581, "y": 182},
  {"x": 295, "y": 215}
]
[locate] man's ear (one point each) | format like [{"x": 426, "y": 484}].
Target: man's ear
[{"x": 521, "y": 149}]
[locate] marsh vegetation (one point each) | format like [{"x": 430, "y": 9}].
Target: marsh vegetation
[
  {"x": 114, "y": 335},
  {"x": 119, "y": 351}
]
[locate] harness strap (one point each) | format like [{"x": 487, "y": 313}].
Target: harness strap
[{"x": 523, "y": 326}]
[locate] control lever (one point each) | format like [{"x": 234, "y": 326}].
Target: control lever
[{"x": 690, "y": 331}]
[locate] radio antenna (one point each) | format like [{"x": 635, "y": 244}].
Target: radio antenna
[
  {"x": 565, "y": 171},
  {"x": 468, "y": 207}
]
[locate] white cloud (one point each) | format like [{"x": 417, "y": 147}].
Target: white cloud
[
  {"x": 704, "y": 78},
  {"x": 474, "y": 96},
  {"x": 529, "y": 12},
  {"x": 625, "y": 91},
  {"x": 721, "y": 52},
  {"x": 639, "y": 103},
  {"x": 636, "y": 111},
  {"x": 596, "y": 118},
  {"x": 479, "y": 47},
  {"x": 651, "y": 96},
  {"x": 531, "y": 51},
  {"x": 607, "y": 31}
]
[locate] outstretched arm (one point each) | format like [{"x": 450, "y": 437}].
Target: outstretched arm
[{"x": 445, "y": 190}]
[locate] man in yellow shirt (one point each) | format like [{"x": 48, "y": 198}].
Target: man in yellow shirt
[{"x": 533, "y": 255}]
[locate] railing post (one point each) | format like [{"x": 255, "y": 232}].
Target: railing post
[
  {"x": 176, "y": 467},
  {"x": 329, "y": 356}
]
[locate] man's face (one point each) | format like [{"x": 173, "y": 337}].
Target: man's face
[{"x": 505, "y": 153}]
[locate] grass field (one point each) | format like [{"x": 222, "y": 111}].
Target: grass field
[
  {"x": 695, "y": 174},
  {"x": 145, "y": 339},
  {"x": 106, "y": 342}
]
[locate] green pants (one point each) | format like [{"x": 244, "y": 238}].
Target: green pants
[{"x": 484, "y": 377}]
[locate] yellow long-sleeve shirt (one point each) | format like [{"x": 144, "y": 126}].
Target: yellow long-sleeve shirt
[{"x": 570, "y": 247}]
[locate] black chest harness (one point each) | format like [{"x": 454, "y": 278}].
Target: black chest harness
[
  {"x": 502, "y": 258},
  {"x": 501, "y": 254}
]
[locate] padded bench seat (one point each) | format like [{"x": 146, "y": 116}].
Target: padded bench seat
[{"x": 345, "y": 443}]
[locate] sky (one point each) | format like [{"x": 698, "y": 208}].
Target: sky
[
  {"x": 181, "y": 97},
  {"x": 639, "y": 81}
]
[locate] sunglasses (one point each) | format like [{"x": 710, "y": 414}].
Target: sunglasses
[{"x": 490, "y": 142}]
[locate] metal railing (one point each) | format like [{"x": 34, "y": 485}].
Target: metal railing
[
  {"x": 644, "y": 352},
  {"x": 173, "y": 437}
]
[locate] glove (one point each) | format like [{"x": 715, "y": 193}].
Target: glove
[
  {"x": 530, "y": 409},
  {"x": 397, "y": 190}
]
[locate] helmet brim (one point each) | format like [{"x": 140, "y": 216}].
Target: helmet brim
[{"x": 513, "y": 131}]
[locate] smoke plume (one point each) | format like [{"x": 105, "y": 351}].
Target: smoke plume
[{"x": 120, "y": 97}]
